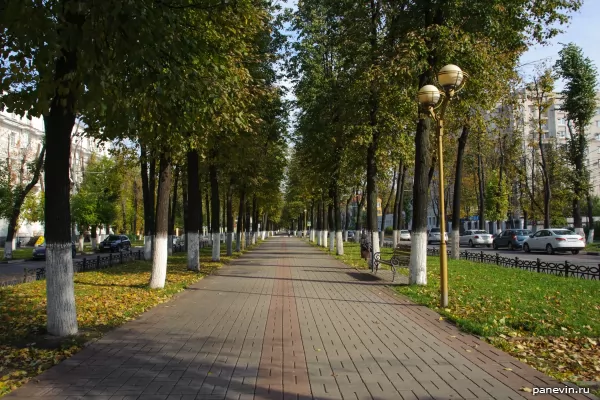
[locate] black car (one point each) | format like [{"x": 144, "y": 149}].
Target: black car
[
  {"x": 39, "y": 252},
  {"x": 114, "y": 243}
]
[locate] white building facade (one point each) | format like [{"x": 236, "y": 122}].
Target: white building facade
[{"x": 21, "y": 140}]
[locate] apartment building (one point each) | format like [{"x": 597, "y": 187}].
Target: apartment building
[{"x": 21, "y": 141}]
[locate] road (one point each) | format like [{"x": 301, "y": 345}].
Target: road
[
  {"x": 579, "y": 259},
  {"x": 14, "y": 270}
]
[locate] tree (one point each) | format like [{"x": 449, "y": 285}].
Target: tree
[
  {"x": 17, "y": 188},
  {"x": 579, "y": 104}
]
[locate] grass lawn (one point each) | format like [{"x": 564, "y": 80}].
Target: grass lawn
[
  {"x": 18, "y": 254},
  {"x": 105, "y": 299},
  {"x": 549, "y": 322}
]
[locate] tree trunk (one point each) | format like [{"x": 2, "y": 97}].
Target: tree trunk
[
  {"x": 193, "y": 202},
  {"x": 248, "y": 220},
  {"x": 135, "y": 209},
  {"x": 148, "y": 186},
  {"x": 240, "y": 221},
  {"x": 481, "y": 183},
  {"x": 254, "y": 219},
  {"x": 347, "y": 219},
  {"x": 215, "y": 205},
  {"x": 401, "y": 203},
  {"x": 385, "y": 209},
  {"x": 173, "y": 210},
  {"x": 94, "y": 237},
  {"x": 325, "y": 231},
  {"x": 395, "y": 222},
  {"x": 208, "y": 215},
  {"x": 159, "y": 258},
  {"x": 590, "y": 213},
  {"x": 418, "y": 257},
  {"x": 460, "y": 154},
  {"x": 230, "y": 219},
  {"x": 184, "y": 203},
  {"x": 18, "y": 203},
  {"x": 359, "y": 226},
  {"x": 339, "y": 240},
  {"x": 319, "y": 223},
  {"x": 330, "y": 220},
  {"x": 61, "y": 311}
]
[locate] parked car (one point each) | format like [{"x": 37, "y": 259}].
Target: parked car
[
  {"x": 114, "y": 243},
  {"x": 350, "y": 234},
  {"x": 404, "y": 234},
  {"x": 476, "y": 238},
  {"x": 39, "y": 252},
  {"x": 435, "y": 236},
  {"x": 552, "y": 240},
  {"x": 511, "y": 238}
]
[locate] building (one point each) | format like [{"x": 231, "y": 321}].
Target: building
[{"x": 21, "y": 141}]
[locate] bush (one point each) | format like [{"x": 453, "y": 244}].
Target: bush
[{"x": 389, "y": 230}]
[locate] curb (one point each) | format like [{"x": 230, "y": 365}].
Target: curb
[
  {"x": 592, "y": 253},
  {"x": 13, "y": 261}
]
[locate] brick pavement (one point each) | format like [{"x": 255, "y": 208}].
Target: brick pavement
[{"x": 287, "y": 321}]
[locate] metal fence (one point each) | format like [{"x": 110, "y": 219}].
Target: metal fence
[{"x": 566, "y": 269}]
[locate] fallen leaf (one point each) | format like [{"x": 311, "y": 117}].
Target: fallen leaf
[
  {"x": 526, "y": 389},
  {"x": 508, "y": 369}
]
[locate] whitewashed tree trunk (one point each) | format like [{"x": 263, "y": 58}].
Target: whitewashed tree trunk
[
  {"x": 62, "y": 314},
  {"x": 159, "y": 262},
  {"x": 216, "y": 250},
  {"x": 193, "y": 251},
  {"x": 94, "y": 243},
  {"x": 331, "y": 241},
  {"x": 590, "y": 236},
  {"x": 579, "y": 231},
  {"x": 238, "y": 242},
  {"x": 375, "y": 241},
  {"x": 13, "y": 242},
  {"x": 170, "y": 245},
  {"x": 395, "y": 237},
  {"x": 340, "y": 242},
  {"x": 324, "y": 240},
  {"x": 148, "y": 247},
  {"x": 418, "y": 258},
  {"x": 455, "y": 244},
  {"x": 229, "y": 243},
  {"x": 81, "y": 243},
  {"x": 382, "y": 238},
  {"x": 8, "y": 250}
]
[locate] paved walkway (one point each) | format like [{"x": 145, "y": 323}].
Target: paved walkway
[{"x": 286, "y": 321}]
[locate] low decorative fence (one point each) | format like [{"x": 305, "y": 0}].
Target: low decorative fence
[{"x": 566, "y": 269}]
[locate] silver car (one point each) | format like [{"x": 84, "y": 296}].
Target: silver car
[{"x": 435, "y": 236}]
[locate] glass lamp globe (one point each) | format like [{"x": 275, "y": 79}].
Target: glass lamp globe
[
  {"x": 450, "y": 76},
  {"x": 429, "y": 95}
]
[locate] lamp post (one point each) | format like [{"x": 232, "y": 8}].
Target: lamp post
[{"x": 452, "y": 79}]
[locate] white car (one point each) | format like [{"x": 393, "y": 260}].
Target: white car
[
  {"x": 475, "y": 238},
  {"x": 552, "y": 240},
  {"x": 434, "y": 236},
  {"x": 404, "y": 235}
]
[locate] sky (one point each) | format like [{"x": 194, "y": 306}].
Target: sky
[{"x": 580, "y": 31}]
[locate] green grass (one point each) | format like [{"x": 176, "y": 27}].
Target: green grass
[{"x": 18, "y": 254}]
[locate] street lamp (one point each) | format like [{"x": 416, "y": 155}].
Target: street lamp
[{"x": 452, "y": 79}]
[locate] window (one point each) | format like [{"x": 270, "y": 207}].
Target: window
[
  {"x": 598, "y": 136},
  {"x": 598, "y": 124},
  {"x": 13, "y": 139},
  {"x": 598, "y": 150}
]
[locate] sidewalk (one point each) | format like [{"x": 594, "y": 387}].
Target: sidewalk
[{"x": 286, "y": 321}]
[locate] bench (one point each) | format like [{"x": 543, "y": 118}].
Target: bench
[{"x": 400, "y": 258}]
